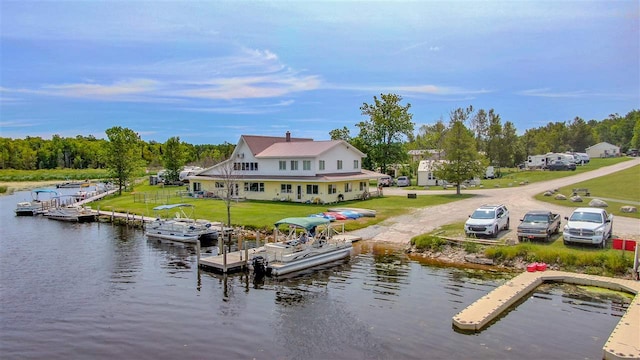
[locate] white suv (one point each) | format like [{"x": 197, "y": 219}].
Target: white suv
[{"x": 487, "y": 220}]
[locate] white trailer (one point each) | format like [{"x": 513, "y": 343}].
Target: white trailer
[{"x": 536, "y": 161}]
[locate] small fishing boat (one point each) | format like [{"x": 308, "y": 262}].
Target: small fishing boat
[
  {"x": 182, "y": 227},
  {"x": 41, "y": 201},
  {"x": 79, "y": 214},
  {"x": 307, "y": 242}
]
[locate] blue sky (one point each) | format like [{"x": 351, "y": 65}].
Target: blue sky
[{"x": 210, "y": 71}]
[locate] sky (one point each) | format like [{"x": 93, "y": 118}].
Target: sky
[{"x": 211, "y": 71}]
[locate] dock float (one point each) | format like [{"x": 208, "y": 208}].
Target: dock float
[
  {"x": 624, "y": 342},
  {"x": 236, "y": 261}
]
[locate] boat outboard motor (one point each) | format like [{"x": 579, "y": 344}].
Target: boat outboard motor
[{"x": 259, "y": 266}]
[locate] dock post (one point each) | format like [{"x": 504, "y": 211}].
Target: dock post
[
  {"x": 198, "y": 253},
  {"x": 224, "y": 259},
  {"x": 246, "y": 256}
]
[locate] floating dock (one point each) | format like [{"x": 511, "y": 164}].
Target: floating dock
[
  {"x": 624, "y": 342},
  {"x": 237, "y": 260}
]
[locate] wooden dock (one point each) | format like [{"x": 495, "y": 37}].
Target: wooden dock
[
  {"x": 624, "y": 342},
  {"x": 235, "y": 261}
]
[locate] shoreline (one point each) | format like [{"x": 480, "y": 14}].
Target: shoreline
[{"x": 13, "y": 186}]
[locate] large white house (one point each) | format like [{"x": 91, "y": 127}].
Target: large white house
[
  {"x": 603, "y": 150},
  {"x": 288, "y": 169}
]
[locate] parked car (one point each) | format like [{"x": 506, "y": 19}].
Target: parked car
[
  {"x": 385, "y": 181},
  {"x": 538, "y": 224},
  {"x": 588, "y": 226},
  {"x": 487, "y": 220},
  {"x": 561, "y": 165},
  {"x": 403, "y": 181}
]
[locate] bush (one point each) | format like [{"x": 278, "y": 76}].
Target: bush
[
  {"x": 471, "y": 247},
  {"x": 424, "y": 242}
]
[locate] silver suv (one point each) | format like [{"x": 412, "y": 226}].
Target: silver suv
[{"x": 487, "y": 220}]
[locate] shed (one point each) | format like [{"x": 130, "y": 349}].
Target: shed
[
  {"x": 603, "y": 150},
  {"x": 425, "y": 173}
]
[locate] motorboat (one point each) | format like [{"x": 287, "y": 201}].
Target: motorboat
[
  {"x": 181, "y": 227},
  {"x": 306, "y": 242},
  {"x": 71, "y": 213},
  {"x": 41, "y": 201}
]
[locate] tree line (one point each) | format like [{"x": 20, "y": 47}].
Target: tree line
[
  {"x": 388, "y": 134},
  {"x": 88, "y": 152},
  {"x": 386, "y": 137}
]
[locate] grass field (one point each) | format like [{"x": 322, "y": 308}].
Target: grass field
[
  {"x": 261, "y": 214},
  {"x": 617, "y": 190}
]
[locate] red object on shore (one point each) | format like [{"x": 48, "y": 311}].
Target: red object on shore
[
  {"x": 622, "y": 244},
  {"x": 532, "y": 267},
  {"x": 541, "y": 266}
]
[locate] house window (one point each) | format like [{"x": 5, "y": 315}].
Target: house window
[
  {"x": 356, "y": 164},
  {"x": 285, "y": 188},
  {"x": 348, "y": 187},
  {"x": 197, "y": 186},
  {"x": 306, "y": 165},
  {"x": 283, "y": 165},
  {"x": 294, "y": 164},
  {"x": 254, "y": 186},
  {"x": 312, "y": 189},
  {"x": 331, "y": 189},
  {"x": 321, "y": 164},
  {"x": 219, "y": 185},
  {"x": 339, "y": 164},
  {"x": 363, "y": 186}
]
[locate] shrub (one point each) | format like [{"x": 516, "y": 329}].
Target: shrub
[
  {"x": 471, "y": 247},
  {"x": 424, "y": 242}
]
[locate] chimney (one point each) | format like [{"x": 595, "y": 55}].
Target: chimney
[{"x": 288, "y": 136}]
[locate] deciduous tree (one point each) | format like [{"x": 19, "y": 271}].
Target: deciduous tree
[
  {"x": 123, "y": 155},
  {"x": 173, "y": 158},
  {"x": 463, "y": 161},
  {"x": 388, "y": 126}
]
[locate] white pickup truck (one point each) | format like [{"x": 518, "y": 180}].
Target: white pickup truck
[{"x": 588, "y": 226}]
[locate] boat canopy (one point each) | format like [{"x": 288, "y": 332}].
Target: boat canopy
[
  {"x": 45, "y": 191},
  {"x": 172, "y": 206},
  {"x": 304, "y": 222}
]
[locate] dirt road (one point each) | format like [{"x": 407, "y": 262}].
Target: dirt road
[{"x": 518, "y": 199}]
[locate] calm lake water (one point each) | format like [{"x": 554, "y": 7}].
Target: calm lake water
[{"x": 78, "y": 291}]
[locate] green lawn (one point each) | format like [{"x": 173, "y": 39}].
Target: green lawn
[
  {"x": 513, "y": 177},
  {"x": 262, "y": 214},
  {"x": 619, "y": 189}
]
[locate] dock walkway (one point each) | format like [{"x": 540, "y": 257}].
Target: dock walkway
[{"x": 624, "y": 342}]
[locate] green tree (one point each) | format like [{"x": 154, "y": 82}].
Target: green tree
[
  {"x": 123, "y": 154},
  {"x": 494, "y": 140},
  {"x": 635, "y": 140},
  {"x": 580, "y": 135},
  {"x": 431, "y": 137},
  {"x": 463, "y": 161},
  {"x": 480, "y": 127},
  {"x": 509, "y": 146},
  {"x": 340, "y": 134},
  {"x": 383, "y": 134},
  {"x": 173, "y": 158}
]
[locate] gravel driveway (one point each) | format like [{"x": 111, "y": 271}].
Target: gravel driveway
[{"x": 518, "y": 199}]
